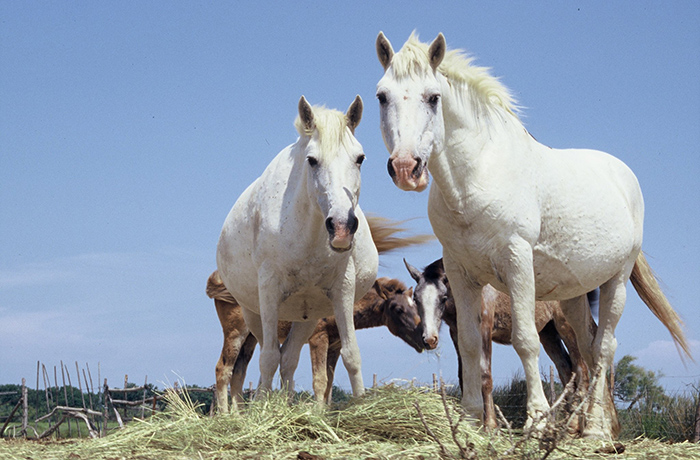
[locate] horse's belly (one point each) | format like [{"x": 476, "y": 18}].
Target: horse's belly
[
  {"x": 569, "y": 271},
  {"x": 310, "y": 304}
]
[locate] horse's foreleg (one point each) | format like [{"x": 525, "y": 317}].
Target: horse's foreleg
[
  {"x": 291, "y": 349},
  {"x": 343, "y": 300},
  {"x": 467, "y": 299},
  {"x": 264, "y": 327},
  {"x": 519, "y": 277},
  {"x": 612, "y": 301}
]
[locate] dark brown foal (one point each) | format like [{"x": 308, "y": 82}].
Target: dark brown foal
[{"x": 389, "y": 303}]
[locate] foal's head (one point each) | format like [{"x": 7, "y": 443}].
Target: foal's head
[
  {"x": 431, "y": 295},
  {"x": 410, "y": 108},
  {"x": 399, "y": 312},
  {"x": 333, "y": 157}
]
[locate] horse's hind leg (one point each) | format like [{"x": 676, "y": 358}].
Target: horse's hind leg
[{"x": 612, "y": 302}]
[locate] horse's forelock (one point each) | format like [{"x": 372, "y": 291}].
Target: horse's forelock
[{"x": 331, "y": 127}]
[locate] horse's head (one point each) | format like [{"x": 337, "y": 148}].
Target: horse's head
[
  {"x": 399, "y": 312},
  {"x": 410, "y": 104},
  {"x": 431, "y": 295},
  {"x": 333, "y": 158}
]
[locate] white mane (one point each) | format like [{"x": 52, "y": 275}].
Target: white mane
[
  {"x": 330, "y": 129},
  {"x": 457, "y": 67}
]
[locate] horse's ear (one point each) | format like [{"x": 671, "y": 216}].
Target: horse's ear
[
  {"x": 410, "y": 292},
  {"x": 354, "y": 113},
  {"x": 384, "y": 50},
  {"x": 437, "y": 51},
  {"x": 413, "y": 271},
  {"x": 306, "y": 114}
]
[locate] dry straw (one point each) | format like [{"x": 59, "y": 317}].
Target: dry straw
[{"x": 391, "y": 422}]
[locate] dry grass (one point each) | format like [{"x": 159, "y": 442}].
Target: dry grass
[{"x": 384, "y": 424}]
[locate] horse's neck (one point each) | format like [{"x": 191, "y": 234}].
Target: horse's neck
[
  {"x": 297, "y": 201},
  {"x": 369, "y": 314},
  {"x": 477, "y": 143}
]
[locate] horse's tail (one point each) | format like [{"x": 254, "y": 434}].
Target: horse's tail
[
  {"x": 647, "y": 287},
  {"x": 216, "y": 289},
  {"x": 383, "y": 231}
]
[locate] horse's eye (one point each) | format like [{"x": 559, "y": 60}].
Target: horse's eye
[
  {"x": 360, "y": 159},
  {"x": 382, "y": 98},
  {"x": 312, "y": 161},
  {"x": 433, "y": 99}
]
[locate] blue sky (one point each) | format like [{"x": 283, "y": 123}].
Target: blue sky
[{"x": 128, "y": 130}]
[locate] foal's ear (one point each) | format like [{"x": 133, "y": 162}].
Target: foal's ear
[
  {"x": 437, "y": 51},
  {"x": 380, "y": 290},
  {"x": 306, "y": 114},
  {"x": 354, "y": 113},
  {"x": 384, "y": 50},
  {"x": 413, "y": 271}
]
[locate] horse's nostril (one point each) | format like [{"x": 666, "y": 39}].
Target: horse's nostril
[
  {"x": 431, "y": 342},
  {"x": 390, "y": 167},
  {"x": 353, "y": 224},
  {"x": 329, "y": 225},
  {"x": 417, "y": 169}
]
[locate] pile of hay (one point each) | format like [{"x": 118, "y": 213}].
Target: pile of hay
[{"x": 384, "y": 424}]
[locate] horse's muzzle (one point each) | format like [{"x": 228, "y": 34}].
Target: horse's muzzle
[
  {"x": 408, "y": 173},
  {"x": 340, "y": 234}
]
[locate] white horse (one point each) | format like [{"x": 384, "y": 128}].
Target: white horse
[
  {"x": 534, "y": 222},
  {"x": 296, "y": 245}
]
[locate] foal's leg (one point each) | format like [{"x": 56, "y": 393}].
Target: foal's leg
[
  {"x": 612, "y": 301},
  {"x": 519, "y": 277},
  {"x": 467, "y": 299},
  {"x": 318, "y": 349},
  {"x": 291, "y": 349},
  {"x": 241, "y": 367},
  {"x": 331, "y": 362},
  {"x": 235, "y": 333},
  {"x": 487, "y": 318}
]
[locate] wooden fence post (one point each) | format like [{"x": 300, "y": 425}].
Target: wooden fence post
[
  {"x": 696, "y": 435},
  {"x": 65, "y": 397},
  {"x": 551, "y": 385},
  {"x": 25, "y": 408}
]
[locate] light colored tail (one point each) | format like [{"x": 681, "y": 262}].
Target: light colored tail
[
  {"x": 217, "y": 290},
  {"x": 383, "y": 231},
  {"x": 648, "y": 289}
]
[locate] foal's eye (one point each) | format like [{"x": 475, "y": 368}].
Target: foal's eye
[
  {"x": 360, "y": 159},
  {"x": 312, "y": 161},
  {"x": 382, "y": 98}
]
